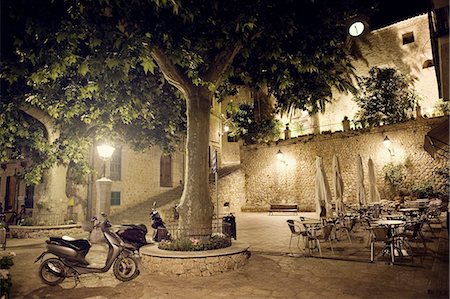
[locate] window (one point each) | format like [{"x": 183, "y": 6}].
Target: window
[
  {"x": 29, "y": 196},
  {"x": 427, "y": 63},
  {"x": 408, "y": 38},
  {"x": 231, "y": 138},
  {"x": 115, "y": 198},
  {"x": 165, "y": 171},
  {"x": 116, "y": 165}
]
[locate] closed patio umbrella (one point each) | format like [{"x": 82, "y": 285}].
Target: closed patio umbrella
[
  {"x": 338, "y": 184},
  {"x": 360, "y": 191},
  {"x": 374, "y": 195},
  {"x": 322, "y": 191}
]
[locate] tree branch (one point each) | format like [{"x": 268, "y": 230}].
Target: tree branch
[
  {"x": 53, "y": 132},
  {"x": 170, "y": 71},
  {"x": 221, "y": 62}
]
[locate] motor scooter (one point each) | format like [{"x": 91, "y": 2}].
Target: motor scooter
[
  {"x": 133, "y": 235},
  {"x": 160, "y": 232},
  {"x": 71, "y": 260}
]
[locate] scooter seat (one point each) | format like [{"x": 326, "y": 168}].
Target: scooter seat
[
  {"x": 77, "y": 244},
  {"x": 141, "y": 227}
]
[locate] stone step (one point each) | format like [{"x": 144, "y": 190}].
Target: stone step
[{"x": 140, "y": 212}]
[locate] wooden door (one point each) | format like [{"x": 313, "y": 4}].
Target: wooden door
[{"x": 165, "y": 175}]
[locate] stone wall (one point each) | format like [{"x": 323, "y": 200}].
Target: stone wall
[
  {"x": 270, "y": 181},
  {"x": 194, "y": 263},
  {"x": 232, "y": 190},
  {"x": 35, "y": 232}
]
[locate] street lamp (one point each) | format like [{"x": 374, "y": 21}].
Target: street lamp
[{"x": 105, "y": 152}]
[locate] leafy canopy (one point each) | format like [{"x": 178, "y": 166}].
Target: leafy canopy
[
  {"x": 90, "y": 64},
  {"x": 252, "y": 130}
]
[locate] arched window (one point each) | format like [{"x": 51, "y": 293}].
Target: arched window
[
  {"x": 427, "y": 63},
  {"x": 165, "y": 171}
]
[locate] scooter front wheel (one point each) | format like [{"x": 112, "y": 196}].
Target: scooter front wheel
[
  {"x": 125, "y": 268},
  {"x": 52, "y": 272}
]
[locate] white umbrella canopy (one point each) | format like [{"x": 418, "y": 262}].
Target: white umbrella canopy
[
  {"x": 338, "y": 184},
  {"x": 322, "y": 190},
  {"x": 374, "y": 195},
  {"x": 360, "y": 190}
]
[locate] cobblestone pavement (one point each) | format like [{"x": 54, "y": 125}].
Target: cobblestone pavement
[{"x": 270, "y": 273}]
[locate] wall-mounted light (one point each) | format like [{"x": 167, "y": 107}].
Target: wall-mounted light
[
  {"x": 388, "y": 144},
  {"x": 280, "y": 157},
  {"x": 226, "y": 128},
  {"x": 105, "y": 152}
]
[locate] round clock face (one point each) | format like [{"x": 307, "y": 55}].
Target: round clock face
[{"x": 356, "y": 29}]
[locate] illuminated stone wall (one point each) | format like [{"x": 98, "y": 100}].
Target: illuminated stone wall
[
  {"x": 140, "y": 176},
  {"x": 269, "y": 181},
  {"x": 384, "y": 48}
]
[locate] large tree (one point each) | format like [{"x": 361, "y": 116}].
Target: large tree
[{"x": 80, "y": 54}]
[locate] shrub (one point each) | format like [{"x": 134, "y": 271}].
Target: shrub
[
  {"x": 216, "y": 241},
  {"x": 251, "y": 130},
  {"x": 394, "y": 175},
  {"x": 424, "y": 189},
  {"x": 385, "y": 96}
]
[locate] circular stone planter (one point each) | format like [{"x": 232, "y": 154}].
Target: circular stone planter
[{"x": 194, "y": 263}]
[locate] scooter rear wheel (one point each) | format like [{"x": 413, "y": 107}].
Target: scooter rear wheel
[
  {"x": 52, "y": 272},
  {"x": 125, "y": 268}
]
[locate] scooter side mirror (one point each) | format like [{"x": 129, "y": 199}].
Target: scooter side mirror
[{"x": 154, "y": 204}]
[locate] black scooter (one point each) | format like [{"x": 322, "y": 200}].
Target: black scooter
[
  {"x": 133, "y": 236},
  {"x": 160, "y": 232},
  {"x": 71, "y": 260}
]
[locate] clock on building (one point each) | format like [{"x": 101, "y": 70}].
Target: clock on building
[{"x": 356, "y": 28}]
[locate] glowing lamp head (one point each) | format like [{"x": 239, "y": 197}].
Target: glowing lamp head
[
  {"x": 105, "y": 151},
  {"x": 387, "y": 143},
  {"x": 226, "y": 128},
  {"x": 280, "y": 155}
]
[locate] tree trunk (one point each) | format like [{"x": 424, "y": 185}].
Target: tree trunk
[
  {"x": 196, "y": 207},
  {"x": 51, "y": 193}
]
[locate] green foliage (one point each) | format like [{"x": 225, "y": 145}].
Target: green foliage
[
  {"x": 442, "y": 108},
  {"x": 251, "y": 130},
  {"x": 394, "y": 175},
  {"x": 6, "y": 262},
  {"x": 424, "y": 189},
  {"x": 385, "y": 96},
  {"x": 297, "y": 128},
  {"x": 216, "y": 241}
]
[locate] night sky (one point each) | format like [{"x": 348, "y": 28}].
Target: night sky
[{"x": 392, "y": 11}]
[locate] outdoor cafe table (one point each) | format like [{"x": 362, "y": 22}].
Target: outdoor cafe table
[
  {"x": 409, "y": 211},
  {"x": 391, "y": 225},
  {"x": 311, "y": 225}
]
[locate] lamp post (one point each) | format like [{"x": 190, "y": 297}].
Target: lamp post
[
  {"x": 104, "y": 184},
  {"x": 105, "y": 152}
]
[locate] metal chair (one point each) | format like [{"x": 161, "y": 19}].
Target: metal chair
[
  {"x": 325, "y": 236},
  {"x": 296, "y": 232},
  {"x": 381, "y": 235}
]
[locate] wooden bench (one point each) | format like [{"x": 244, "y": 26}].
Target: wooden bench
[{"x": 283, "y": 208}]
